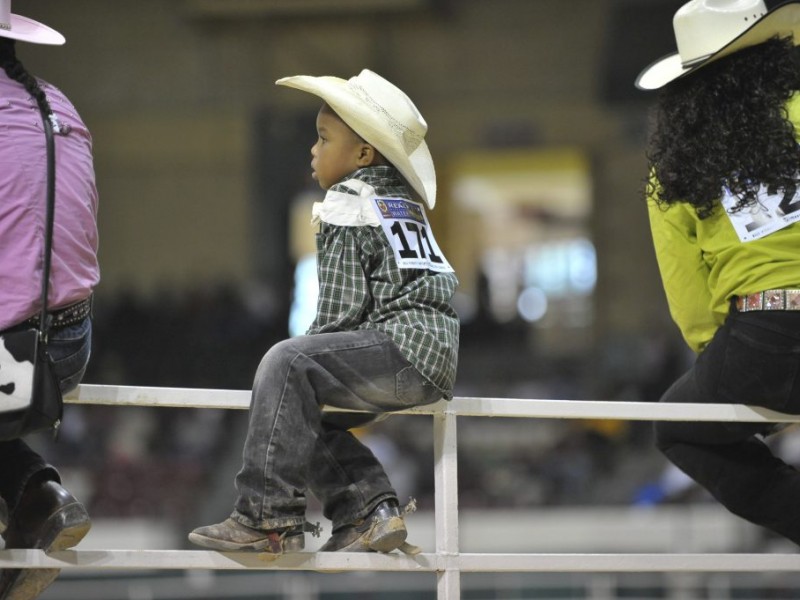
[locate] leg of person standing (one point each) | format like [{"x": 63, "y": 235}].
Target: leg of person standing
[{"x": 42, "y": 513}]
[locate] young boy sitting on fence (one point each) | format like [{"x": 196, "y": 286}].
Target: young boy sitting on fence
[{"x": 385, "y": 337}]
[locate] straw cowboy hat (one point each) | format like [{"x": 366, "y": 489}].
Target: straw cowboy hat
[
  {"x": 706, "y": 30},
  {"x": 384, "y": 117},
  {"x": 24, "y": 29}
]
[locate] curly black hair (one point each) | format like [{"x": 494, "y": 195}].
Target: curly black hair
[
  {"x": 727, "y": 125},
  {"x": 16, "y": 71}
]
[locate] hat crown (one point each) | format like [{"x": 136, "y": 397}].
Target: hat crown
[
  {"x": 702, "y": 27},
  {"x": 392, "y": 106},
  {"x": 5, "y": 14}
]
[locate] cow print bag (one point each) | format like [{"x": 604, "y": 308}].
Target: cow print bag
[{"x": 30, "y": 395}]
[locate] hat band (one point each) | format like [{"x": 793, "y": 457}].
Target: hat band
[
  {"x": 688, "y": 64},
  {"x": 411, "y": 140}
]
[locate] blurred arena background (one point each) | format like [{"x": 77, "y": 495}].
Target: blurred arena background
[{"x": 203, "y": 171}]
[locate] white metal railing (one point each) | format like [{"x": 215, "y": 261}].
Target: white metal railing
[{"x": 447, "y": 562}]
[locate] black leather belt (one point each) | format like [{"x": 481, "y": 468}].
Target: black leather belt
[{"x": 64, "y": 317}]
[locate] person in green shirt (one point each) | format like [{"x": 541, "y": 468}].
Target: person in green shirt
[
  {"x": 725, "y": 220},
  {"x": 385, "y": 336}
]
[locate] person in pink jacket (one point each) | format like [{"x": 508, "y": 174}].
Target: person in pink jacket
[{"x": 35, "y": 510}]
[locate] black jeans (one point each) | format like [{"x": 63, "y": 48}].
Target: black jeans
[
  {"x": 753, "y": 359},
  {"x": 70, "y": 348}
]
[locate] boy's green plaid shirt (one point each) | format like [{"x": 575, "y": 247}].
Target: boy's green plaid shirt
[{"x": 361, "y": 287}]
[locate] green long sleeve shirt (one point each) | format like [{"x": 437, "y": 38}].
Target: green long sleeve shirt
[{"x": 703, "y": 263}]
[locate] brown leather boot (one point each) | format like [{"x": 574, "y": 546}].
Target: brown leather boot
[
  {"x": 232, "y": 536},
  {"x": 382, "y": 530}
]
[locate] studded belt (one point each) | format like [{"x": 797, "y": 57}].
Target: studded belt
[
  {"x": 63, "y": 317},
  {"x": 769, "y": 300}
]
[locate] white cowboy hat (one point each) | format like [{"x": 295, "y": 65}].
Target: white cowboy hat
[
  {"x": 384, "y": 117},
  {"x": 706, "y": 30},
  {"x": 24, "y": 29}
]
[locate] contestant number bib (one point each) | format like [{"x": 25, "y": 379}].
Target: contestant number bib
[
  {"x": 406, "y": 226},
  {"x": 770, "y": 213}
]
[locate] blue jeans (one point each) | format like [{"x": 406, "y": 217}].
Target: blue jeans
[
  {"x": 292, "y": 447},
  {"x": 753, "y": 359},
  {"x": 70, "y": 348}
]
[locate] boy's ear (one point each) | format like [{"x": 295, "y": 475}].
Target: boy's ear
[{"x": 366, "y": 155}]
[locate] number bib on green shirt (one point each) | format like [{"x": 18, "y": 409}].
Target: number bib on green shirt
[
  {"x": 770, "y": 213},
  {"x": 406, "y": 226}
]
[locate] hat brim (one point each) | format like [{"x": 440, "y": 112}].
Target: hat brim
[
  {"x": 28, "y": 30},
  {"x": 783, "y": 21},
  {"x": 417, "y": 168}
]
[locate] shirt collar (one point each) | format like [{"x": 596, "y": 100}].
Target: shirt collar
[{"x": 378, "y": 176}]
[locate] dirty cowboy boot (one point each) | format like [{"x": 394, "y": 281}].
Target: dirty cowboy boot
[
  {"x": 382, "y": 530},
  {"x": 232, "y": 536},
  {"x": 48, "y": 517}
]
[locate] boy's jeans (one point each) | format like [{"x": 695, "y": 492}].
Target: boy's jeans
[
  {"x": 291, "y": 447},
  {"x": 70, "y": 348},
  {"x": 753, "y": 359}
]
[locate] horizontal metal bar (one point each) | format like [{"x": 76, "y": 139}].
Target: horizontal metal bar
[
  {"x": 208, "y": 559},
  {"x": 629, "y": 563},
  {"x": 358, "y": 561},
  {"x": 614, "y": 409},
  {"x": 113, "y": 395},
  {"x": 121, "y": 395}
]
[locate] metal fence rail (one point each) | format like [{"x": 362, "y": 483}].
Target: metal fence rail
[
  {"x": 447, "y": 562},
  {"x": 167, "y": 560}
]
